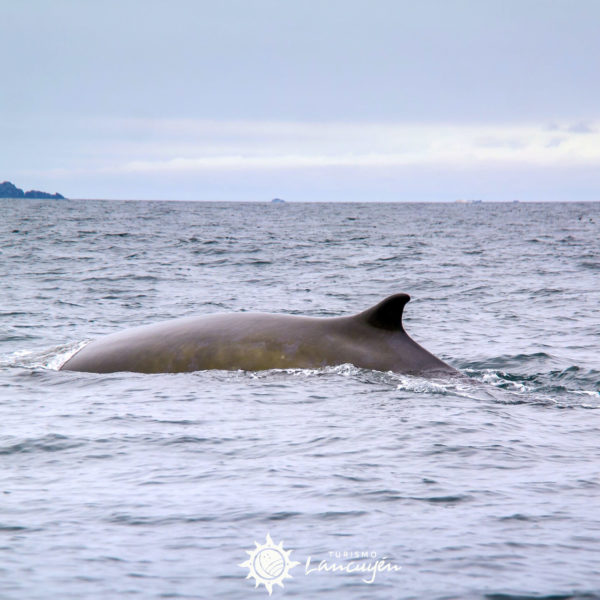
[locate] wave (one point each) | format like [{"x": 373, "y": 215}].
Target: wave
[
  {"x": 50, "y": 358},
  {"x": 569, "y": 386}
]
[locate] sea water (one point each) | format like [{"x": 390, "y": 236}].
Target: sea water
[{"x": 167, "y": 486}]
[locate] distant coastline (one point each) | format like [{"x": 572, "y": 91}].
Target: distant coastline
[{"x": 9, "y": 190}]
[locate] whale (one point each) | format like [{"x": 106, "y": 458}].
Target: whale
[{"x": 373, "y": 339}]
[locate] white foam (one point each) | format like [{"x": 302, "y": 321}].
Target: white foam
[{"x": 52, "y": 359}]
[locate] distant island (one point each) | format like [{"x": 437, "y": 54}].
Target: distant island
[
  {"x": 277, "y": 201},
  {"x": 9, "y": 190}
]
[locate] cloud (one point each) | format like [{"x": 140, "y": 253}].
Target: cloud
[
  {"x": 187, "y": 146},
  {"x": 194, "y": 145},
  {"x": 581, "y": 127}
]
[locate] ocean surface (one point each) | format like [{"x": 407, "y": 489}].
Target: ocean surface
[{"x": 167, "y": 486}]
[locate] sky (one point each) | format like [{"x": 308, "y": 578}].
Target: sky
[{"x": 328, "y": 100}]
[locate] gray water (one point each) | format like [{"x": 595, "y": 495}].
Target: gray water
[{"x": 157, "y": 486}]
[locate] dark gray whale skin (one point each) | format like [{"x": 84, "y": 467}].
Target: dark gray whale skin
[{"x": 373, "y": 339}]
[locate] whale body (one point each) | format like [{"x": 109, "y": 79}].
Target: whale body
[{"x": 373, "y": 339}]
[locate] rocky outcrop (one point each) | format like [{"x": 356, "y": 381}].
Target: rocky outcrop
[{"x": 9, "y": 190}]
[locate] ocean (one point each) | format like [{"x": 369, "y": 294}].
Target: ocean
[{"x": 330, "y": 483}]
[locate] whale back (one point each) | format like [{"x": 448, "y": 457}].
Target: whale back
[{"x": 373, "y": 339}]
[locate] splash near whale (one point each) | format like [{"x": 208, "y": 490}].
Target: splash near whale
[{"x": 374, "y": 339}]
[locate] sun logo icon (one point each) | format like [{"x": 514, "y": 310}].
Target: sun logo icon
[{"x": 269, "y": 564}]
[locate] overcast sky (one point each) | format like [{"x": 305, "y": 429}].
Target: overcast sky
[{"x": 301, "y": 99}]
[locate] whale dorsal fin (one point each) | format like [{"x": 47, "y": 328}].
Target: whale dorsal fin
[{"x": 387, "y": 314}]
